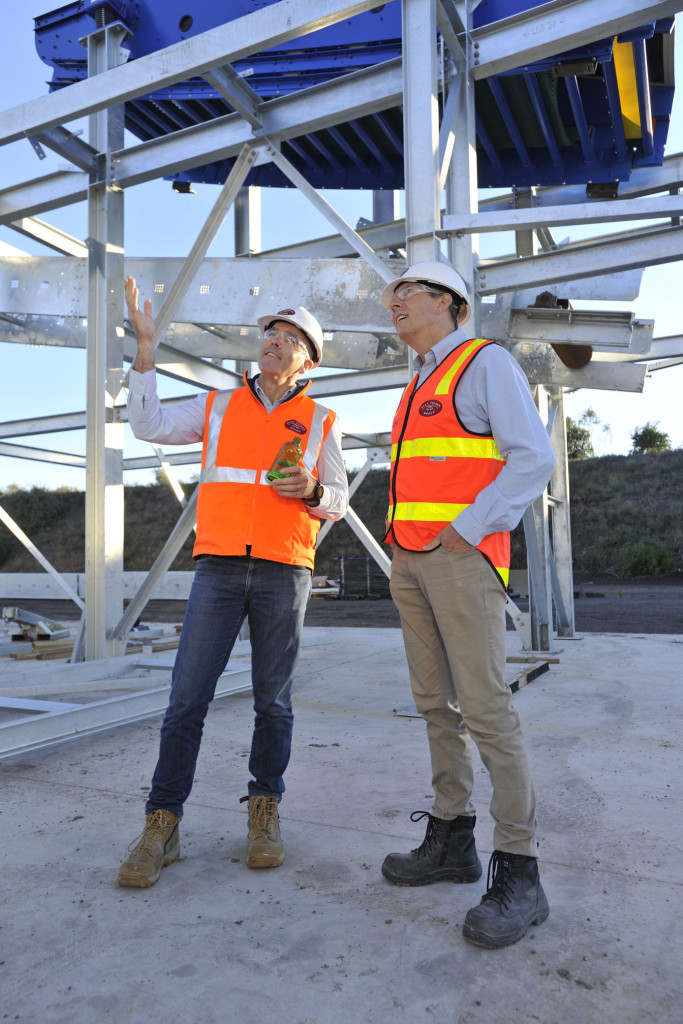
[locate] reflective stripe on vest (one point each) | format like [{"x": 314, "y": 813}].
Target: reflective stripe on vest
[
  {"x": 448, "y": 447},
  {"x": 434, "y": 460},
  {"x": 459, "y": 364},
  {"x": 427, "y": 511}
]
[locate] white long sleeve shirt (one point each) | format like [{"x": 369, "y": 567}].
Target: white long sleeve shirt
[
  {"x": 493, "y": 397},
  {"x": 184, "y": 424}
]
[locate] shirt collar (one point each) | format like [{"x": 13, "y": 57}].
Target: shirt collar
[
  {"x": 443, "y": 348},
  {"x": 264, "y": 397}
]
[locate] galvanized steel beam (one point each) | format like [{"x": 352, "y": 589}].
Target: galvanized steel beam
[
  {"x": 342, "y": 293},
  {"x": 420, "y": 130},
  {"x": 40, "y": 730},
  {"x": 587, "y": 213},
  {"x": 104, "y": 373},
  {"x": 50, "y": 236},
  {"x": 582, "y": 260},
  {"x": 66, "y": 144},
  {"x": 556, "y": 27},
  {"x": 51, "y": 192},
  {"x": 561, "y": 570}
]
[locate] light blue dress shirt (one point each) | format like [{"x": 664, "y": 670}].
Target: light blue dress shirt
[{"x": 493, "y": 397}]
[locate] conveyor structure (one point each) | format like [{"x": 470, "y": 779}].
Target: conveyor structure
[{"x": 589, "y": 115}]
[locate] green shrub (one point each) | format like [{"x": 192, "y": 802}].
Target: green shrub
[
  {"x": 646, "y": 558},
  {"x": 38, "y": 509},
  {"x": 649, "y": 439}
]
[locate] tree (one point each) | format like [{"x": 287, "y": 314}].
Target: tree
[
  {"x": 580, "y": 435},
  {"x": 648, "y": 439},
  {"x": 579, "y": 444}
]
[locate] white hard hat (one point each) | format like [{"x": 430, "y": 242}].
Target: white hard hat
[
  {"x": 302, "y": 319},
  {"x": 436, "y": 272}
]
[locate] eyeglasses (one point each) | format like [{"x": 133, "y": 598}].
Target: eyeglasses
[
  {"x": 275, "y": 334},
  {"x": 404, "y": 291}
]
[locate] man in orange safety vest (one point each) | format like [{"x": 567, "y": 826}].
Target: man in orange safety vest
[{"x": 254, "y": 551}]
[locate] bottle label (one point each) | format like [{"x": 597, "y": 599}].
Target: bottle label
[{"x": 275, "y": 474}]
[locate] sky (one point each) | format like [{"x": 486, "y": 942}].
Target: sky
[{"x": 158, "y": 222}]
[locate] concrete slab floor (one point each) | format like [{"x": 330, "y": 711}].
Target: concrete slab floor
[{"x": 324, "y": 938}]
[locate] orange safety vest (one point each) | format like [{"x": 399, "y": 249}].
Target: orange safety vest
[
  {"x": 438, "y": 467},
  {"x": 236, "y": 506}
]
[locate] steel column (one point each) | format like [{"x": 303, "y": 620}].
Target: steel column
[
  {"x": 421, "y": 129},
  {"x": 248, "y": 220},
  {"x": 461, "y": 180},
  {"x": 562, "y": 570},
  {"x": 104, "y": 433},
  {"x": 539, "y": 557},
  {"x": 536, "y": 525}
]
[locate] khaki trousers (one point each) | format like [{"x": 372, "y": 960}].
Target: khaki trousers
[{"x": 452, "y": 609}]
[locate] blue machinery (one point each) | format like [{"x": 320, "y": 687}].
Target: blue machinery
[
  {"x": 561, "y": 108},
  {"x": 588, "y": 115}
]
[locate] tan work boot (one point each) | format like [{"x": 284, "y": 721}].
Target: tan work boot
[
  {"x": 157, "y": 846},
  {"x": 265, "y": 843}
]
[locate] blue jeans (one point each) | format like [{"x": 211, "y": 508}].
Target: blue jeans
[{"x": 272, "y": 597}]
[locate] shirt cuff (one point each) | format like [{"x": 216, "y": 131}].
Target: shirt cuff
[
  {"x": 468, "y": 528},
  {"x": 141, "y": 383}
]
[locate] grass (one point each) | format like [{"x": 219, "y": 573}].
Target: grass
[{"x": 624, "y": 514}]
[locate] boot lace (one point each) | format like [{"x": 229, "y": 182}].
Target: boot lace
[
  {"x": 152, "y": 832},
  {"x": 262, "y": 815},
  {"x": 433, "y": 835},
  {"x": 499, "y": 883}
]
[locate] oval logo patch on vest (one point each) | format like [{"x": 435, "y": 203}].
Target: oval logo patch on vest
[
  {"x": 430, "y": 408},
  {"x": 294, "y": 425}
]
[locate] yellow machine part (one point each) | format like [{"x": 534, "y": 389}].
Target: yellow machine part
[{"x": 628, "y": 91}]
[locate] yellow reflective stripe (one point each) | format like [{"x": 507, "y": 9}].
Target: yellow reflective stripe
[
  {"x": 425, "y": 511},
  {"x": 504, "y": 574},
  {"x": 448, "y": 447},
  {"x": 444, "y": 385}
]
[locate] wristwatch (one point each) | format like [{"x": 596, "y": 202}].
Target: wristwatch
[{"x": 315, "y": 497}]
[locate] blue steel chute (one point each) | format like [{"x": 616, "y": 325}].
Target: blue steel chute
[{"x": 576, "y": 118}]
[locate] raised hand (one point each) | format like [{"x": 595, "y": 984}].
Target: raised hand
[{"x": 143, "y": 325}]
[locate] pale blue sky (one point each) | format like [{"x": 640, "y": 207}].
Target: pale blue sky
[{"x": 160, "y": 222}]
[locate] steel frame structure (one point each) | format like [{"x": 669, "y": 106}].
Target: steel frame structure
[{"x": 440, "y": 161}]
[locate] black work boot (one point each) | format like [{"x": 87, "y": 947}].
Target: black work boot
[
  {"x": 514, "y": 900},
  {"x": 448, "y": 854}
]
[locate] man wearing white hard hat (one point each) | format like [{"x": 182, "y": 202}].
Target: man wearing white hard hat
[
  {"x": 259, "y": 509},
  {"x": 469, "y": 454}
]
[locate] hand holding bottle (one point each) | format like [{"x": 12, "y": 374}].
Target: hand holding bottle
[
  {"x": 298, "y": 483},
  {"x": 287, "y": 476}
]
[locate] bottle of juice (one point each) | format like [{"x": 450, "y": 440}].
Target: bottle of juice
[{"x": 289, "y": 455}]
